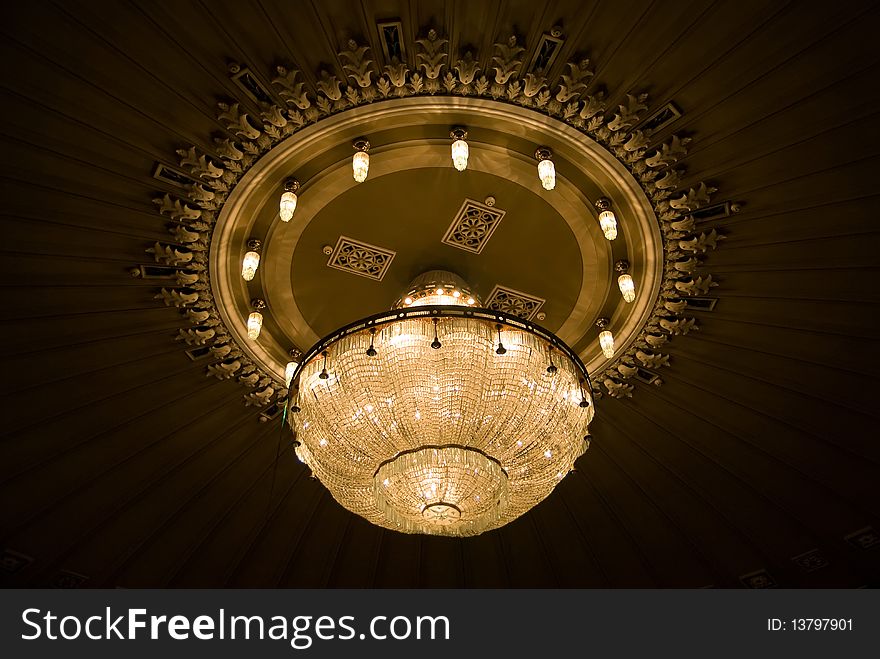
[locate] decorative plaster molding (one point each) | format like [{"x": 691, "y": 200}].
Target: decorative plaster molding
[{"x": 570, "y": 99}]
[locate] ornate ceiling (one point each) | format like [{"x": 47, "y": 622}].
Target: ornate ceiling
[{"x": 128, "y": 464}]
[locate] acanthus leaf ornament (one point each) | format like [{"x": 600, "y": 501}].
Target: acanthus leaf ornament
[{"x": 356, "y": 64}]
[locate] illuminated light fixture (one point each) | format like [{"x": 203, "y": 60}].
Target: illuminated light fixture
[
  {"x": 288, "y": 200},
  {"x": 251, "y": 260},
  {"x": 290, "y": 368},
  {"x": 459, "y": 148},
  {"x": 360, "y": 161},
  {"x": 625, "y": 281},
  {"x": 427, "y": 396},
  {"x": 607, "y": 221},
  {"x": 606, "y": 338},
  {"x": 255, "y": 319},
  {"x": 546, "y": 168}
]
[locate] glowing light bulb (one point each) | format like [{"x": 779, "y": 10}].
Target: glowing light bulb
[
  {"x": 456, "y": 294},
  {"x": 548, "y": 453},
  {"x": 471, "y": 300},
  {"x": 460, "y": 155},
  {"x": 407, "y": 301},
  {"x": 608, "y": 224},
  {"x": 254, "y": 325},
  {"x": 439, "y": 291},
  {"x": 249, "y": 265},
  {"x": 547, "y": 174},
  {"x": 289, "y": 370},
  {"x": 627, "y": 287},
  {"x": 360, "y": 165},
  {"x": 287, "y": 206},
  {"x": 606, "y": 342},
  {"x": 323, "y": 442}
]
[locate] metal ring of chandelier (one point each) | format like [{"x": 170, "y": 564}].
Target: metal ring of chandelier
[{"x": 437, "y": 311}]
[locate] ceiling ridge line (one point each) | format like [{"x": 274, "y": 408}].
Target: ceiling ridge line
[
  {"x": 766, "y": 72},
  {"x": 333, "y": 554},
  {"x": 121, "y": 505},
  {"x": 712, "y": 565},
  {"x": 638, "y": 81},
  {"x": 84, "y": 313},
  {"x": 136, "y": 548},
  {"x": 799, "y": 431},
  {"x": 779, "y": 182},
  {"x": 76, "y": 76},
  {"x": 709, "y": 564},
  {"x": 624, "y": 528},
  {"x": 194, "y": 549},
  {"x": 588, "y": 546},
  {"x": 731, "y": 165},
  {"x": 550, "y": 557},
  {"x": 706, "y": 339},
  {"x": 607, "y": 57},
  {"x": 795, "y": 329},
  {"x": 94, "y": 127},
  {"x": 61, "y": 155},
  {"x": 281, "y": 575},
  {"x": 30, "y": 519},
  {"x": 734, "y": 244},
  {"x": 44, "y": 420},
  {"x": 722, "y": 136},
  {"x": 747, "y": 535},
  {"x": 823, "y": 268},
  {"x": 113, "y": 47},
  {"x": 102, "y": 201},
  {"x": 782, "y": 387},
  {"x": 847, "y": 301},
  {"x": 781, "y": 8},
  {"x": 118, "y": 365},
  {"x": 209, "y": 70},
  {"x": 844, "y": 502},
  {"x": 75, "y": 344}
]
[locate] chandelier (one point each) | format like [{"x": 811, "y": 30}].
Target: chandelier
[{"x": 440, "y": 416}]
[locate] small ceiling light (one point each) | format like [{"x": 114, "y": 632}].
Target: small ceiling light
[
  {"x": 288, "y": 200},
  {"x": 290, "y": 369},
  {"x": 606, "y": 338},
  {"x": 407, "y": 300},
  {"x": 625, "y": 281},
  {"x": 360, "y": 162},
  {"x": 471, "y": 300},
  {"x": 251, "y": 260},
  {"x": 255, "y": 320},
  {"x": 459, "y": 148},
  {"x": 546, "y": 168},
  {"x": 607, "y": 221}
]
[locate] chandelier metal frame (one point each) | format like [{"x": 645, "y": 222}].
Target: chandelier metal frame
[{"x": 435, "y": 311}]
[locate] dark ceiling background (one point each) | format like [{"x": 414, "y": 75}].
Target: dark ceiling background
[{"x": 123, "y": 465}]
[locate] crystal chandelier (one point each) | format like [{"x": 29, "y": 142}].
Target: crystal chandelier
[{"x": 440, "y": 416}]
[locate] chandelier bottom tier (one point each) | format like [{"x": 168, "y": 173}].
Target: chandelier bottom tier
[{"x": 440, "y": 420}]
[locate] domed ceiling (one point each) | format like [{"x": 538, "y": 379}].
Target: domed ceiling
[{"x": 146, "y": 144}]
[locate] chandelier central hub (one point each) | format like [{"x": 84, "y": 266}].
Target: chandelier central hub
[{"x": 442, "y": 486}]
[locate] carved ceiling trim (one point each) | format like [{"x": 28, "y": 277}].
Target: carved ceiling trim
[{"x": 263, "y": 117}]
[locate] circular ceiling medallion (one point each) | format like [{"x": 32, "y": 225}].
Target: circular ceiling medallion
[{"x": 532, "y": 250}]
